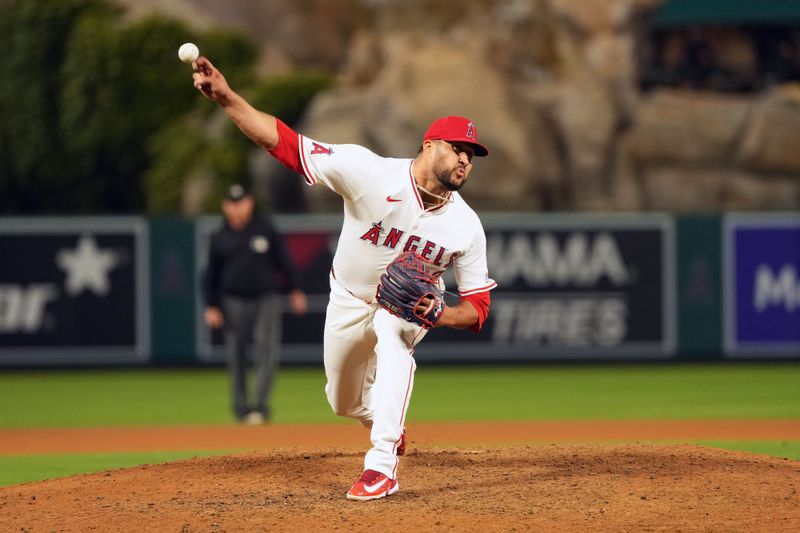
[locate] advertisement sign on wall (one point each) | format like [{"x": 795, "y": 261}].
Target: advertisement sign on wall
[
  {"x": 577, "y": 287},
  {"x": 762, "y": 285},
  {"x": 73, "y": 290},
  {"x": 568, "y": 287}
]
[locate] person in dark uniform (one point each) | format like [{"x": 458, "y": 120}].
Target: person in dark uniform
[{"x": 242, "y": 288}]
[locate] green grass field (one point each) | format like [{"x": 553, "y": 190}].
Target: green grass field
[{"x": 37, "y": 399}]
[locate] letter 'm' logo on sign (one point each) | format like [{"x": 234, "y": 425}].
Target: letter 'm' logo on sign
[{"x": 771, "y": 290}]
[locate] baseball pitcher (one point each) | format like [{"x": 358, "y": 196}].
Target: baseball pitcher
[{"x": 404, "y": 225}]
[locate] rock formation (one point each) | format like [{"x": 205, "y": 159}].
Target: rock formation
[{"x": 554, "y": 89}]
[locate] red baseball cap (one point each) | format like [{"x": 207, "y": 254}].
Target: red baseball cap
[{"x": 456, "y": 129}]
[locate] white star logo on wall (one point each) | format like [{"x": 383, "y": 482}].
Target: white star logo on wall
[{"x": 87, "y": 267}]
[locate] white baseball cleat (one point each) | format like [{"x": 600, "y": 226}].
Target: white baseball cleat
[{"x": 254, "y": 418}]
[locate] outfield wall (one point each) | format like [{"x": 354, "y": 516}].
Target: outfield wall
[{"x": 109, "y": 291}]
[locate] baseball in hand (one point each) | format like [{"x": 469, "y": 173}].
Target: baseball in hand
[{"x": 188, "y": 52}]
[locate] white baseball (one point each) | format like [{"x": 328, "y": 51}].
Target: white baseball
[{"x": 188, "y": 52}]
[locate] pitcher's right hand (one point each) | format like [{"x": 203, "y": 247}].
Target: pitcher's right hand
[{"x": 210, "y": 81}]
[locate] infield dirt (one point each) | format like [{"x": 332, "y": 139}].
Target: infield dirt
[{"x": 513, "y": 487}]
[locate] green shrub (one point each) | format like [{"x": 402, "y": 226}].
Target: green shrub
[{"x": 86, "y": 98}]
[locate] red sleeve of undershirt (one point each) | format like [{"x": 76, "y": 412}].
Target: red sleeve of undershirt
[
  {"x": 480, "y": 301},
  {"x": 287, "y": 151}
]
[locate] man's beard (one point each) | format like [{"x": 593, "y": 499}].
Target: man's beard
[{"x": 445, "y": 178}]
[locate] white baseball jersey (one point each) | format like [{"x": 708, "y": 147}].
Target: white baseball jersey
[{"x": 384, "y": 215}]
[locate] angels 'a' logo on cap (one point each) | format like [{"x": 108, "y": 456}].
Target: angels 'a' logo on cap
[{"x": 471, "y": 131}]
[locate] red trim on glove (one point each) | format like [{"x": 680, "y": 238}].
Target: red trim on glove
[
  {"x": 287, "y": 151},
  {"x": 480, "y": 301}
]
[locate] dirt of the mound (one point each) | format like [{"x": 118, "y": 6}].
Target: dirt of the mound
[{"x": 553, "y": 487}]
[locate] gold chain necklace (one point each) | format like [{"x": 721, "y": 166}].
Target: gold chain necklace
[{"x": 442, "y": 199}]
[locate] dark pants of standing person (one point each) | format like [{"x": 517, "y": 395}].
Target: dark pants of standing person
[{"x": 257, "y": 319}]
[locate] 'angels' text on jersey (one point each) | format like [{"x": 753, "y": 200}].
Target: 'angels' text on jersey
[{"x": 427, "y": 249}]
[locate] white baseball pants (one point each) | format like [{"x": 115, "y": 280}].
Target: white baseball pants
[{"x": 370, "y": 368}]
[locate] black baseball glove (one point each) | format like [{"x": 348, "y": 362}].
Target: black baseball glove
[{"x": 405, "y": 285}]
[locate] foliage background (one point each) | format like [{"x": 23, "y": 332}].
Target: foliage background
[{"x": 99, "y": 116}]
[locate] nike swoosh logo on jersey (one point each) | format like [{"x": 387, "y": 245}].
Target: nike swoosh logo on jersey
[
  {"x": 390, "y": 199},
  {"x": 376, "y": 486}
]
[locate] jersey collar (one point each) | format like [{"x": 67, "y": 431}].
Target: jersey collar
[{"x": 420, "y": 203}]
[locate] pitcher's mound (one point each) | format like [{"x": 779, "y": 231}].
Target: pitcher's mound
[{"x": 544, "y": 488}]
